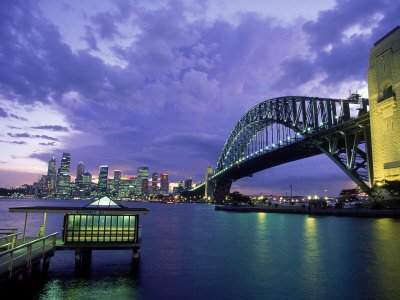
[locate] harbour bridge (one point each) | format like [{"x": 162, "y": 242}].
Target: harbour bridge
[
  {"x": 285, "y": 129},
  {"x": 364, "y": 143}
]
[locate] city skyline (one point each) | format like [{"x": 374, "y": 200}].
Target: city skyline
[{"x": 161, "y": 85}]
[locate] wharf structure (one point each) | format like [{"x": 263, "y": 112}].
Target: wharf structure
[{"x": 102, "y": 225}]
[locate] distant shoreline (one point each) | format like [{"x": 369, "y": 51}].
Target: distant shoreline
[{"x": 347, "y": 212}]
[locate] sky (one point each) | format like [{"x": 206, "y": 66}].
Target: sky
[{"x": 162, "y": 83}]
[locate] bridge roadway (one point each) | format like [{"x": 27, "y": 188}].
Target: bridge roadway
[{"x": 339, "y": 142}]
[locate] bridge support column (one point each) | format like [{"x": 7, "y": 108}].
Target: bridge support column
[
  {"x": 384, "y": 93},
  {"x": 222, "y": 189}
]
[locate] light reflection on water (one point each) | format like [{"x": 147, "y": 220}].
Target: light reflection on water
[{"x": 193, "y": 252}]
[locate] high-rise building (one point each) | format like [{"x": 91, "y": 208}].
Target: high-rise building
[
  {"x": 63, "y": 178},
  {"x": 52, "y": 176},
  {"x": 86, "y": 184},
  {"x": 142, "y": 180},
  {"x": 102, "y": 185},
  {"x": 80, "y": 169},
  {"x": 154, "y": 178},
  {"x": 164, "y": 186},
  {"x": 65, "y": 163},
  {"x": 117, "y": 175}
]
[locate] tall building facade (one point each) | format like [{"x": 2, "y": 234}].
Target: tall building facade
[
  {"x": 52, "y": 176},
  {"x": 154, "y": 179},
  {"x": 80, "y": 170},
  {"x": 86, "y": 185},
  {"x": 164, "y": 186},
  {"x": 102, "y": 184},
  {"x": 142, "y": 180},
  {"x": 63, "y": 178},
  {"x": 384, "y": 93}
]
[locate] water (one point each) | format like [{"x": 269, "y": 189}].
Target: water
[{"x": 191, "y": 251}]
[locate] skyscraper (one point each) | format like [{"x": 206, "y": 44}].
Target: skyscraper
[
  {"x": 117, "y": 175},
  {"x": 52, "y": 175},
  {"x": 86, "y": 184},
  {"x": 154, "y": 178},
  {"x": 63, "y": 178},
  {"x": 65, "y": 163},
  {"x": 142, "y": 180},
  {"x": 102, "y": 185},
  {"x": 80, "y": 169},
  {"x": 164, "y": 186}
]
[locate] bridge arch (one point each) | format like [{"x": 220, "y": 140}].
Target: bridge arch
[{"x": 285, "y": 129}]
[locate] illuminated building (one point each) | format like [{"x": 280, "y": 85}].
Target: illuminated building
[
  {"x": 65, "y": 163},
  {"x": 80, "y": 169},
  {"x": 102, "y": 184},
  {"x": 52, "y": 176},
  {"x": 86, "y": 184},
  {"x": 164, "y": 186},
  {"x": 154, "y": 178},
  {"x": 142, "y": 180},
  {"x": 384, "y": 90},
  {"x": 117, "y": 175},
  {"x": 63, "y": 178}
]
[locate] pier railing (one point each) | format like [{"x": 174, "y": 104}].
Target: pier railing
[
  {"x": 21, "y": 258},
  {"x": 9, "y": 241}
]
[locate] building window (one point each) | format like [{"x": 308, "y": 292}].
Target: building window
[{"x": 387, "y": 92}]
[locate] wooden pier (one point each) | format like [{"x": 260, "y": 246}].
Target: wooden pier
[
  {"x": 102, "y": 225},
  {"x": 18, "y": 259}
]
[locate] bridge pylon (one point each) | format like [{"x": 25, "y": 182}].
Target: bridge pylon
[{"x": 384, "y": 92}]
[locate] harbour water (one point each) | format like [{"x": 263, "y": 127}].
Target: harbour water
[{"x": 191, "y": 251}]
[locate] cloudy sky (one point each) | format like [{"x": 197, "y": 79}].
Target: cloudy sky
[{"x": 161, "y": 83}]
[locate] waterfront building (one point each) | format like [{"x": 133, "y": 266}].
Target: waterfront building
[
  {"x": 164, "y": 186},
  {"x": 117, "y": 175},
  {"x": 102, "y": 184},
  {"x": 125, "y": 188},
  {"x": 80, "y": 169},
  {"x": 65, "y": 163},
  {"x": 51, "y": 176},
  {"x": 154, "y": 179},
  {"x": 142, "y": 180},
  {"x": 63, "y": 178},
  {"x": 116, "y": 181},
  {"x": 384, "y": 90},
  {"x": 86, "y": 185}
]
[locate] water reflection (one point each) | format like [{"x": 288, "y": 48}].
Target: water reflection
[
  {"x": 386, "y": 254},
  {"x": 107, "y": 288},
  {"x": 311, "y": 257}
]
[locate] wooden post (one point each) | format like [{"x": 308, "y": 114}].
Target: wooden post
[
  {"x": 44, "y": 223},
  {"x": 78, "y": 259},
  {"x": 26, "y": 220}
]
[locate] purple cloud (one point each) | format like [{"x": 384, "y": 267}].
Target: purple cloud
[
  {"x": 19, "y": 135},
  {"x": 27, "y": 135},
  {"x": 182, "y": 83},
  {"x": 14, "y": 142},
  {"x": 3, "y": 113},
  {"x": 48, "y": 144},
  {"x": 52, "y": 128}
]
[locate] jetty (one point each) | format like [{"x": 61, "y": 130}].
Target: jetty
[{"x": 101, "y": 225}]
